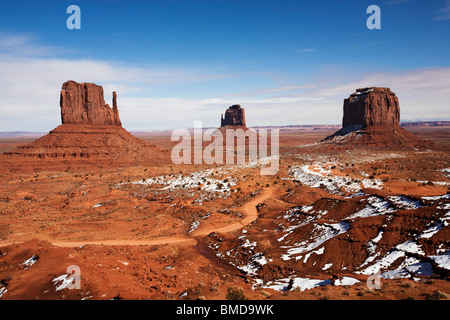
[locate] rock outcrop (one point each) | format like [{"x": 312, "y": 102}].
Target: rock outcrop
[
  {"x": 372, "y": 120},
  {"x": 234, "y": 116},
  {"x": 371, "y": 107},
  {"x": 83, "y": 103}
]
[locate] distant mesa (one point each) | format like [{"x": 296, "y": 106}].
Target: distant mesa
[
  {"x": 90, "y": 130},
  {"x": 83, "y": 103},
  {"x": 234, "y": 116},
  {"x": 372, "y": 120}
]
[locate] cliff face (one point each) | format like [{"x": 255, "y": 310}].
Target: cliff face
[
  {"x": 83, "y": 103},
  {"x": 234, "y": 116},
  {"x": 371, "y": 107}
]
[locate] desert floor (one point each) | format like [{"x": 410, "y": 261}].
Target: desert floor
[{"x": 317, "y": 229}]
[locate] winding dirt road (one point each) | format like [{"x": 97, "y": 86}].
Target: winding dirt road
[{"x": 249, "y": 209}]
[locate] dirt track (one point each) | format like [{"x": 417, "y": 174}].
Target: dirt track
[{"x": 249, "y": 209}]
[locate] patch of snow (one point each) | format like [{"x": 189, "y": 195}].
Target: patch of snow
[
  {"x": 431, "y": 231},
  {"x": 410, "y": 247},
  {"x": 359, "y": 193},
  {"x": 249, "y": 244},
  {"x": 447, "y": 172},
  {"x": 318, "y": 177},
  {"x": 3, "y": 290},
  {"x": 254, "y": 265},
  {"x": 383, "y": 263},
  {"x": 320, "y": 234},
  {"x": 445, "y": 206},
  {"x": 410, "y": 266},
  {"x": 376, "y": 206},
  {"x": 327, "y": 266},
  {"x": 202, "y": 179},
  {"x": 305, "y": 283},
  {"x": 442, "y": 260},
  {"x": 345, "y": 281},
  {"x": 319, "y": 251},
  {"x": 378, "y": 237},
  {"x": 404, "y": 202},
  {"x": 433, "y": 198},
  {"x": 297, "y": 283},
  {"x": 65, "y": 280},
  {"x": 194, "y": 226},
  {"x": 30, "y": 262}
]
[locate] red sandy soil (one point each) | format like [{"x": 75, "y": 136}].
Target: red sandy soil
[{"x": 134, "y": 238}]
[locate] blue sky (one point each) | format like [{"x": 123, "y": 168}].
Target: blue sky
[{"x": 174, "y": 62}]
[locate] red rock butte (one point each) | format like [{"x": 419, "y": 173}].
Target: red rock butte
[
  {"x": 84, "y": 103},
  {"x": 91, "y": 133},
  {"x": 371, "y": 107},
  {"x": 372, "y": 120},
  {"x": 234, "y": 116}
]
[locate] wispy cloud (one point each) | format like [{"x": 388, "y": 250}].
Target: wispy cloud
[
  {"x": 444, "y": 12},
  {"x": 26, "y": 44},
  {"x": 306, "y": 50},
  {"x": 269, "y": 91}
]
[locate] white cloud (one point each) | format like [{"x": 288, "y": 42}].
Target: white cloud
[{"x": 30, "y": 85}]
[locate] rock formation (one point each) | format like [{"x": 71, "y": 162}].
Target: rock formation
[
  {"x": 371, "y": 120},
  {"x": 90, "y": 132},
  {"x": 371, "y": 107},
  {"x": 83, "y": 103},
  {"x": 234, "y": 116}
]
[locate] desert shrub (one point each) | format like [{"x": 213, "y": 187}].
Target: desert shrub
[
  {"x": 235, "y": 294},
  {"x": 437, "y": 295}
]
